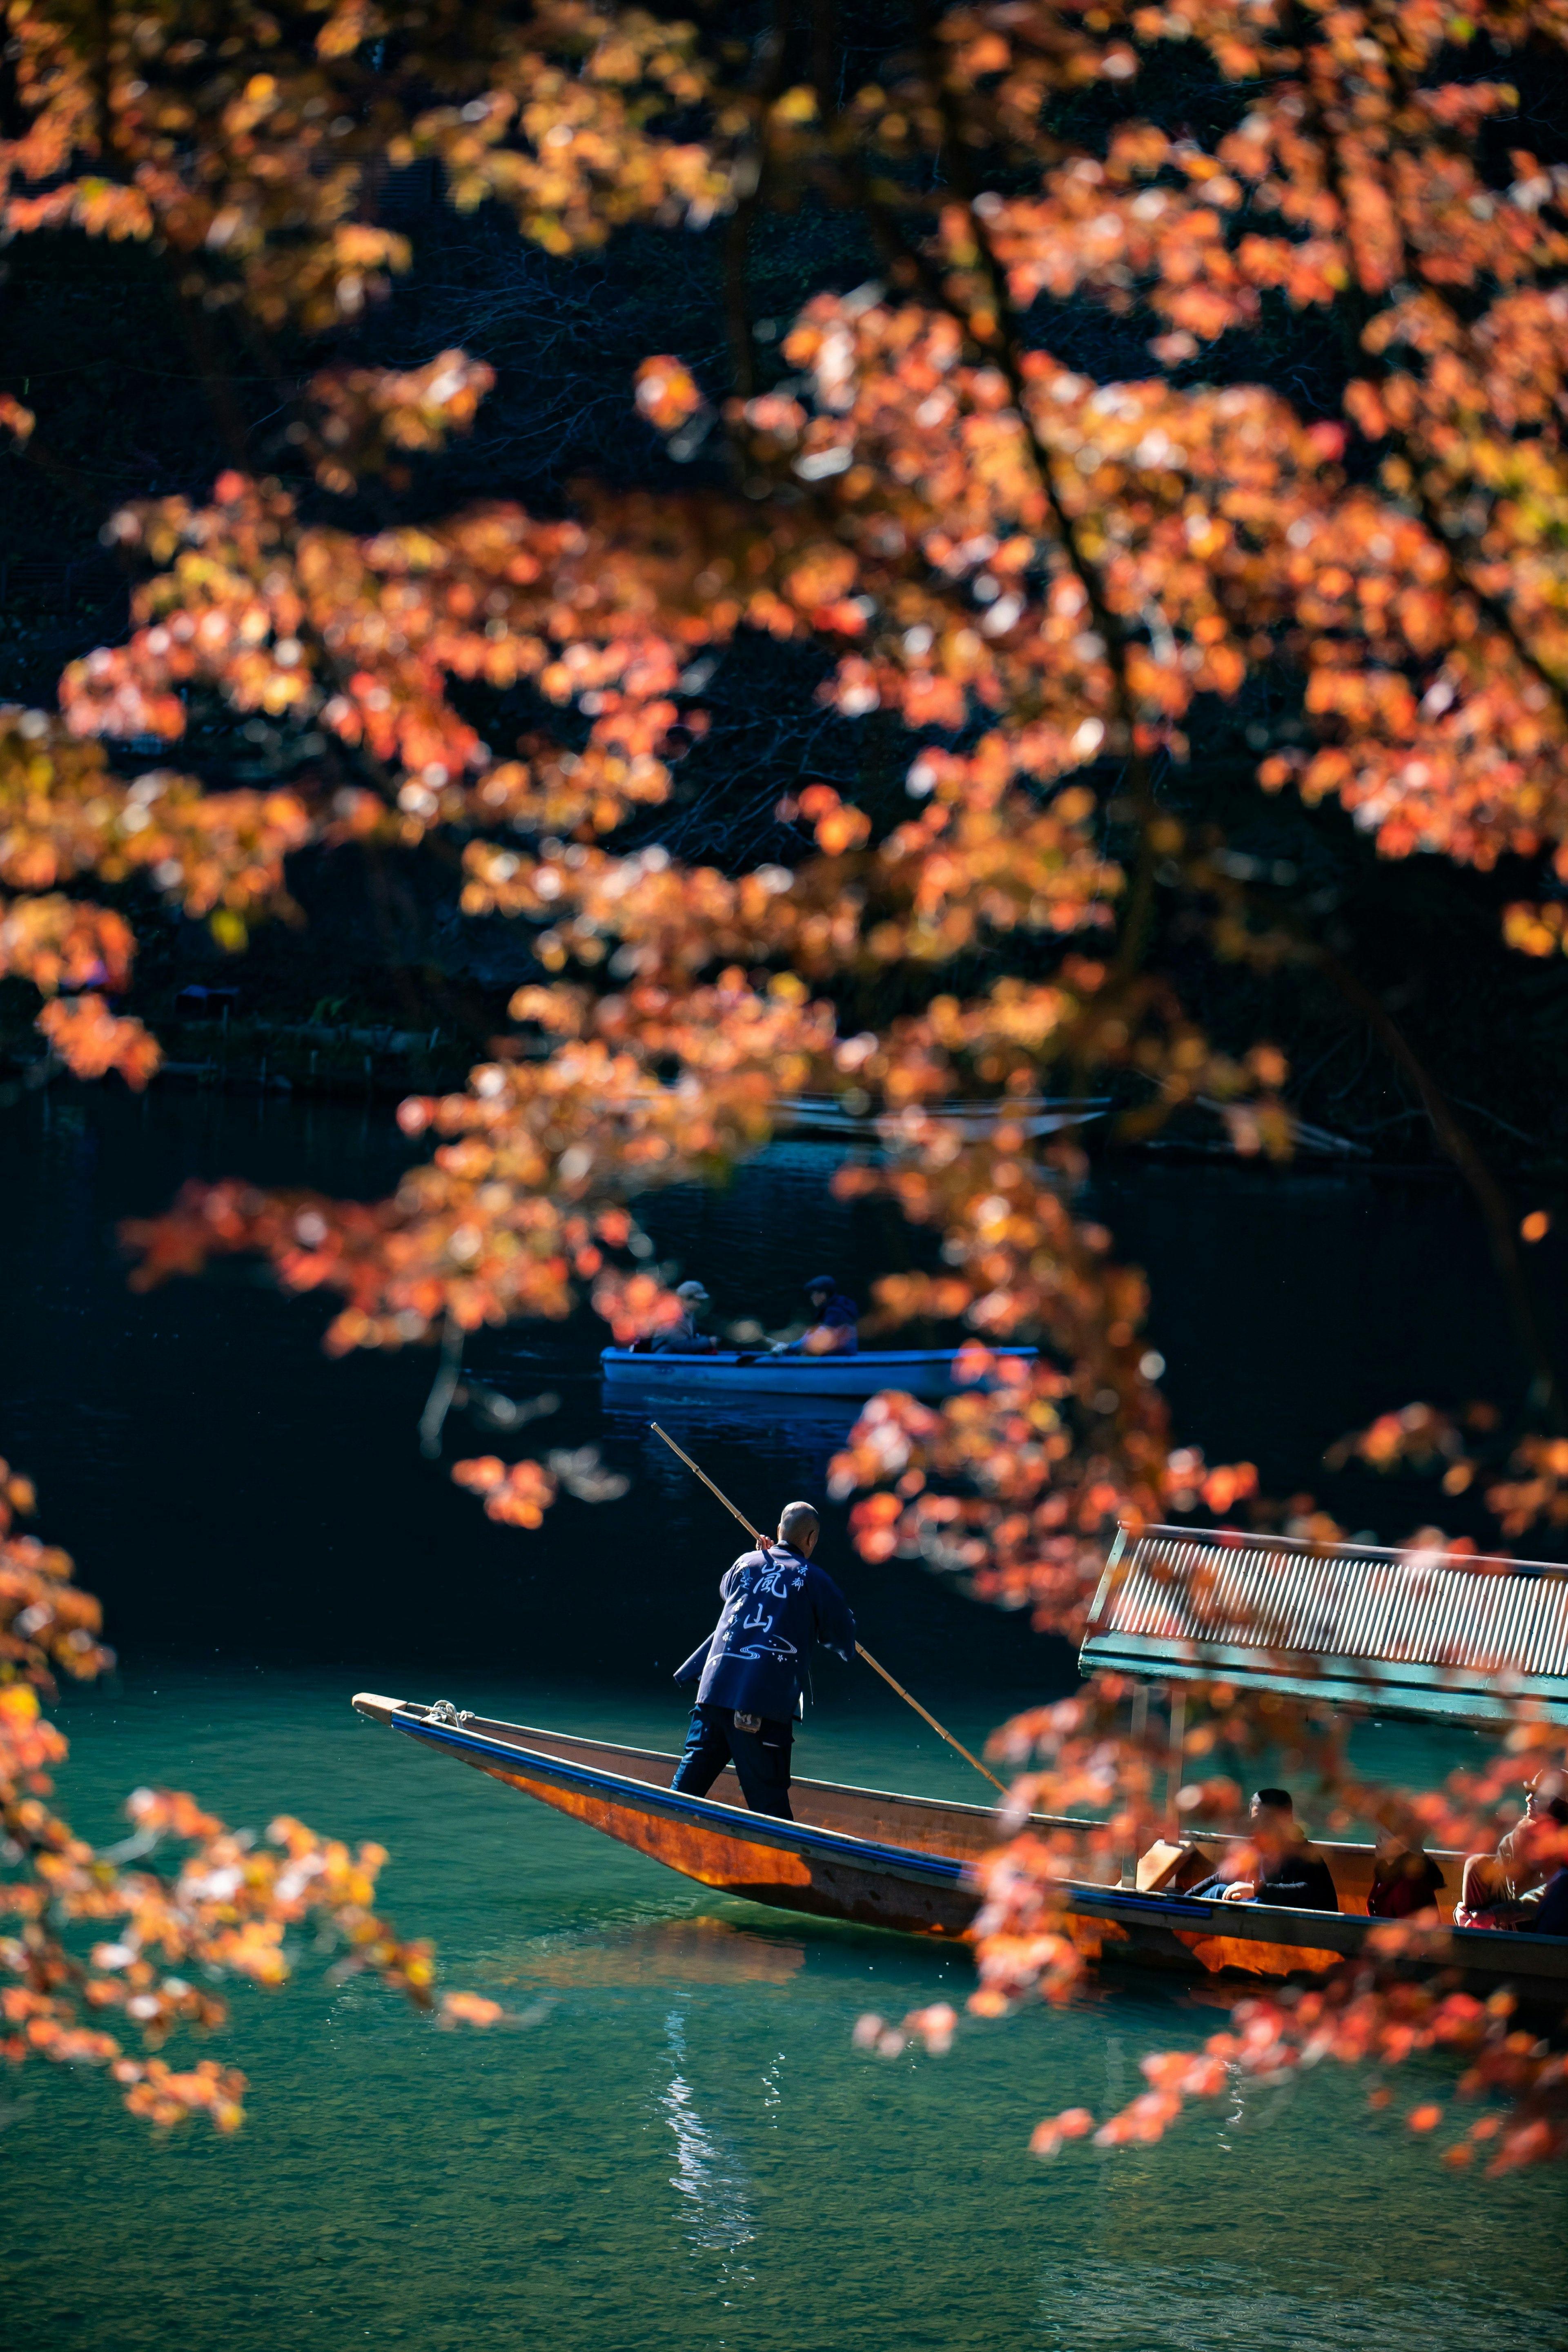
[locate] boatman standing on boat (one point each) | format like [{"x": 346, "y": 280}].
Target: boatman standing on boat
[{"x": 752, "y": 1673}]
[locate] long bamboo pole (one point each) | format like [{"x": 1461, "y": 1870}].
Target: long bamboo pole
[{"x": 760, "y": 1540}]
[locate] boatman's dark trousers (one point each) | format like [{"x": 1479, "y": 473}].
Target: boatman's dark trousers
[{"x": 760, "y": 1758}]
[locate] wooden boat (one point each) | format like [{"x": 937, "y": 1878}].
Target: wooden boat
[
  {"x": 883, "y": 1860},
  {"x": 919, "y": 1372}
]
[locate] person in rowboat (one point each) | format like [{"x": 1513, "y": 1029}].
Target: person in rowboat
[
  {"x": 836, "y": 1331},
  {"x": 683, "y": 1337},
  {"x": 751, "y": 1673}
]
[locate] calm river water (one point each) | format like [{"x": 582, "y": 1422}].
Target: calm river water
[{"x": 674, "y": 2142}]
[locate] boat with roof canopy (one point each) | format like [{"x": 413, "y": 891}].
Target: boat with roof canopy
[{"x": 1423, "y": 1637}]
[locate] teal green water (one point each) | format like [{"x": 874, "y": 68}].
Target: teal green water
[{"x": 676, "y": 2144}]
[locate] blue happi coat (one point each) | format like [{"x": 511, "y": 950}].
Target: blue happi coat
[{"x": 776, "y": 1605}]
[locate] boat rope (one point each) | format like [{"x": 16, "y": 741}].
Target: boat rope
[{"x": 762, "y": 1543}]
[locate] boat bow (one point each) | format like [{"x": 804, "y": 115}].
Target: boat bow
[{"x": 879, "y": 1858}]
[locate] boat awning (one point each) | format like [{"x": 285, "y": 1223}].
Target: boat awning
[{"x": 1449, "y": 1634}]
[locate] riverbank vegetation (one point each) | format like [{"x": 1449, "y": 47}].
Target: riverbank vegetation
[{"x": 1078, "y": 609}]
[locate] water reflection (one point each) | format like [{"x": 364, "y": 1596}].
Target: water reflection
[
  {"x": 763, "y": 1457},
  {"x": 898, "y": 2211},
  {"x": 708, "y": 2173},
  {"x": 757, "y": 1419},
  {"x": 664, "y": 1951}
]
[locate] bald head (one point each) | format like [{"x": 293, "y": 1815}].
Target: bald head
[{"x": 799, "y": 1527}]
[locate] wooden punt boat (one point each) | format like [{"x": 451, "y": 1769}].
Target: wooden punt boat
[
  {"x": 919, "y": 1372},
  {"x": 882, "y": 1859}
]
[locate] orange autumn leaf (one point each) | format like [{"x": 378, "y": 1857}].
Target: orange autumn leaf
[
  {"x": 91, "y": 1041},
  {"x": 666, "y": 394},
  {"x": 469, "y": 2009}
]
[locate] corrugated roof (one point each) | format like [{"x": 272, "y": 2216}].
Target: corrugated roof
[{"x": 1411, "y": 1634}]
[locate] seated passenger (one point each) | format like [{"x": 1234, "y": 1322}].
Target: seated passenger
[
  {"x": 1495, "y": 1886},
  {"x": 1403, "y": 1879},
  {"x": 1291, "y": 1873},
  {"x": 684, "y": 1339},
  {"x": 834, "y": 1333},
  {"x": 1550, "y": 1914}
]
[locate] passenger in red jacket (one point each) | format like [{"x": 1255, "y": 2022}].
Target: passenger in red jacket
[{"x": 1403, "y": 1879}]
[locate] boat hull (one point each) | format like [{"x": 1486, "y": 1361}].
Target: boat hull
[
  {"x": 799, "y": 1866},
  {"x": 763, "y": 1872},
  {"x": 878, "y": 1859},
  {"x": 919, "y": 1372}
]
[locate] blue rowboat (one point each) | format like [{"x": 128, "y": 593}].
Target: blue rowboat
[
  {"x": 919, "y": 1372},
  {"x": 883, "y": 1860}
]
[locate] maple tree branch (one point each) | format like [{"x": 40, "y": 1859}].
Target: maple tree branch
[
  {"x": 1361, "y": 314},
  {"x": 1003, "y": 344},
  {"x": 1460, "y": 561},
  {"x": 1496, "y": 611}
]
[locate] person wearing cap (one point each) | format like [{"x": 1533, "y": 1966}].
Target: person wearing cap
[
  {"x": 752, "y": 1673},
  {"x": 684, "y": 1339},
  {"x": 833, "y": 1332}
]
